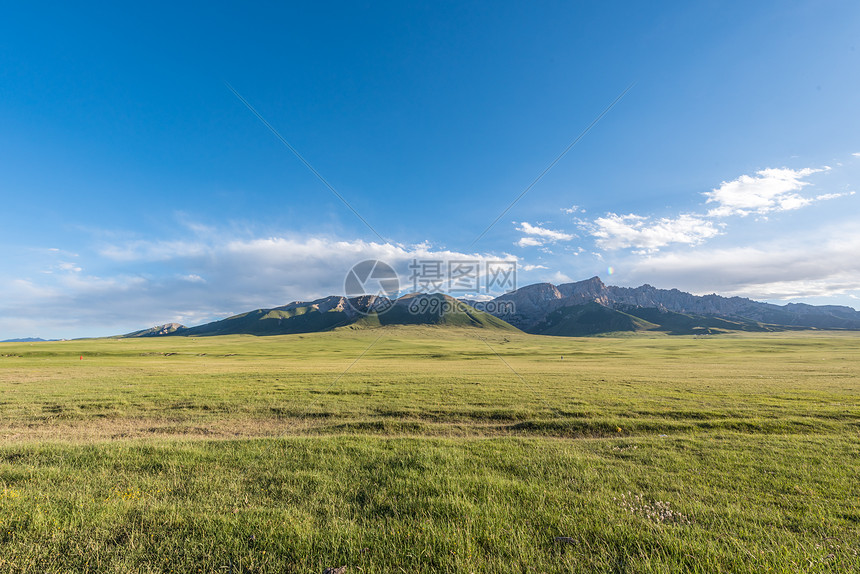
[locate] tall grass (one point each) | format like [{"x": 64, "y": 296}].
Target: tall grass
[{"x": 431, "y": 454}]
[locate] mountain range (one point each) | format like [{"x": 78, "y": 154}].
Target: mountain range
[
  {"x": 590, "y": 307},
  {"x": 572, "y": 309}
]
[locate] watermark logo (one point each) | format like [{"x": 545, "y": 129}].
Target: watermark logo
[
  {"x": 436, "y": 284},
  {"x": 439, "y": 305},
  {"x": 462, "y": 277},
  {"x": 473, "y": 280},
  {"x": 371, "y": 277}
]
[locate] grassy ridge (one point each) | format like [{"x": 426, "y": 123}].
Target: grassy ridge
[{"x": 438, "y": 451}]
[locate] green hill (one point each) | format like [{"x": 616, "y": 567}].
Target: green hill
[
  {"x": 334, "y": 312},
  {"x": 589, "y": 319}
]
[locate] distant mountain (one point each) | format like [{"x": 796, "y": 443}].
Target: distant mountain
[
  {"x": 28, "y": 340},
  {"x": 590, "y": 307},
  {"x": 333, "y": 312}
]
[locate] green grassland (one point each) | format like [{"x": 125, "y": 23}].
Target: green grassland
[{"x": 427, "y": 449}]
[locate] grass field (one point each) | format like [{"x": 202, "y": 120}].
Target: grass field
[{"x": 431, "y": 450}]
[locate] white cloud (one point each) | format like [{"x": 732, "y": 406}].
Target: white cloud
[
  {"x": 66, "y": 266},
  {"x": 537, "y": 236},
  {"x": 641, "y": 232},
  {"x": 856, "y": 154},
  {"x": 193, "y": 278},
  {"x": 769, "y": 190},
  {"x": 143, "y": 283},
  {"x": 529, "y": 242}
]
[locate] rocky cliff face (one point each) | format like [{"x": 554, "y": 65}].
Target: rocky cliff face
[
  {"x": 158, "y": 330},
  {"x": 351, "y": 307},
  {"x": 589, "y": 291}
]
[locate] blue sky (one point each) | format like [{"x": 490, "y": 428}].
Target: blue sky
[{"x": 137, "y": 189}]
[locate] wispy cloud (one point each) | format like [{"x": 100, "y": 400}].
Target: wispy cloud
[
  {"x": 773, "y": 189},
  {"x": 572, "y": 209},
  {"x": 826, "y": 196},
  {"x": 647, "y": 234},
  {"x": 67, "y": 266},
  {"x": 537, "y": 235},
  {"x": 819, "y": 263},
  {"x": 550, "y": 234}
]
